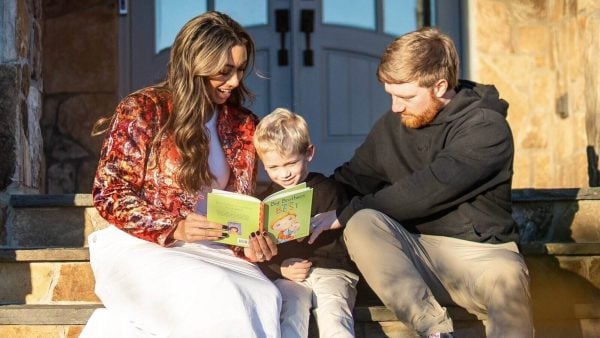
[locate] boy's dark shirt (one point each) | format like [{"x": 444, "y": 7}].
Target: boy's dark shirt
[{"x": 328, "y": 251}]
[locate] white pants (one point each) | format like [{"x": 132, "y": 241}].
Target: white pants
[
  {"x": 189, "y": 290},
  {"x": 329, "y": 292}
]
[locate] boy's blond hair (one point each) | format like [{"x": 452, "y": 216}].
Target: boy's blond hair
[{"x": 283, "y": 132}]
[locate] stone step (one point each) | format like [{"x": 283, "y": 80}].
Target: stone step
[
  {"x": 40, "y": 331},
  {"x": 46, "y": 314},
  {"x": 55, "y": 275},
  {"x": 46, "y": 276},
  {"x": 76, "y": 314},
  {"x": 41, "y": 221},
  {"x": 543, "y": 215},
  {"x": 560, "y": 226},
  {"x": 563, "y": 276},
  {"x": 67, "y": 320},
  {"x": 371, "y": 322},
  {"x": 557, "y": 215}
]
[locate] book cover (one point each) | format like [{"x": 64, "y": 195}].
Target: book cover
[{"x": 284, "y": 214}]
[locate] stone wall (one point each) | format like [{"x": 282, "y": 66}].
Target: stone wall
[
  {"x": 80, "y": 82},
  {"x": 22, "y": 163},
  {"x": 542, "y": 56}
]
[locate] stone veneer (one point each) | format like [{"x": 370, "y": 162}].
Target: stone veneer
[
  {"x": 47, "y": 283},
  {"x": 22, "y": 164},
  {"x": 542, "y": 56},
  {"x": 19, "y": 331},
  {"x": 80, "y": 82}
]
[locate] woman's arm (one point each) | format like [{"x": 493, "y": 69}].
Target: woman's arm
[{"x": 118, "y": 191}]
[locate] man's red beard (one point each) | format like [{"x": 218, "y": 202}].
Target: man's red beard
[{"x": 421, "y": 119}]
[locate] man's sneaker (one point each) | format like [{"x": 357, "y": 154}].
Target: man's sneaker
[{"x": 441, "y": 335}]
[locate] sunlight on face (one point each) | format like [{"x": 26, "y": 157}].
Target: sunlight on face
[
  {"x": 286, "y": 170},
  {"x": 221, "y": 84},
  {"x": 417, "y": 106}
]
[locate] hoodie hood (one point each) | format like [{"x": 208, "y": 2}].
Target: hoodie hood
[{"x": 469, "y": 96}]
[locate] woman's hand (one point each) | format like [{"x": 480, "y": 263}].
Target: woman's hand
[
  {"x": 295, "y": 269},
  {"x": 196, "y": 227},
  {"x": 262, "y": 248},
  {"x": 321, "y": 222}
]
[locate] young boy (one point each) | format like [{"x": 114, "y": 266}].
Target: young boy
[{"x": 307, "y": 275}]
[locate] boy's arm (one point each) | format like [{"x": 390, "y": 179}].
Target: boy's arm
[
  {"x": 322, "y": 222},
  {"x": 272, "y": 268},
  {"x": 328, "y": 197}
]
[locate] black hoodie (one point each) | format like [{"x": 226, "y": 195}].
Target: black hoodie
[{"x": 450, "y": 178}]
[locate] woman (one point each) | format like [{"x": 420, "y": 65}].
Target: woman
[{"x": 158, "y": 271}]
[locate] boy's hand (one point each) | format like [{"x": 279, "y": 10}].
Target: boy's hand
[
  {"x": 295, "y": 269},
  {"x": 321, "y": 222}
]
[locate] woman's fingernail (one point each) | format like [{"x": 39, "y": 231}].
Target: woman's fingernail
[
  {"x": 264, "y": 233},
  {"x": 225, "y": 227},
  {"x": 225, "y": 234},
  {"x": 252, "y": 235}
]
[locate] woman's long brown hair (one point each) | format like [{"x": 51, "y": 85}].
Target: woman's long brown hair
[{"x": 201, "y": 49}]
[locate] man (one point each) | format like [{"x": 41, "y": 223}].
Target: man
[{"x": 431, "y": 224}]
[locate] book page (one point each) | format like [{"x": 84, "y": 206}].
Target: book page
[
  {"x": 288, "y": 215},
  {"x": 234, "y": 195},
  {"x": 286, "y": 191},
  {"x": 240, "y": 215}
]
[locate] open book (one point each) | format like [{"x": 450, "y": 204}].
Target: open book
[{"x": 284, "y": 214}]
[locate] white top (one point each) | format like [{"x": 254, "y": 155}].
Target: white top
[
  {"x": 217, "y": 163},
  {"x": 216, "y": 157}
]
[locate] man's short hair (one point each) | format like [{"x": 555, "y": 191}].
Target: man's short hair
[
  {"x": 425, "y": 56},
  {"x": 282, "y": 131}
]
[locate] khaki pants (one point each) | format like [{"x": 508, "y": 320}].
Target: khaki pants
[
  {"x": 413, "y": 274},
  {"x": 329, "y": 292}
]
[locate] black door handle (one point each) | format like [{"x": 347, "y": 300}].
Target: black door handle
[
  {"x": 282, "y": 26},
  {"x": 307, "y": 26}
]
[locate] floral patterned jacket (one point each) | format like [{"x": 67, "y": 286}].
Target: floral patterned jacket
[{"x": 142, "y": 197}]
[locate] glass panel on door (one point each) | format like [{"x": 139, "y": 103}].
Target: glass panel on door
[
  {"x": 400, "y": 16},
  {"x": 356, "y": 13},
  {"x": 247, "y": 12},
  {"x": 170, "y": 16}
]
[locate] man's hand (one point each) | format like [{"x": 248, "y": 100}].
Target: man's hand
[
  {"x": 295, "y": 269},
  {"x": 321, "y": 222}
]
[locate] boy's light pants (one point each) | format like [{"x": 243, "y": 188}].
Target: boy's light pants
[
  {"x": 330, "y": 292},
  {"x": 413, "y": 274}
]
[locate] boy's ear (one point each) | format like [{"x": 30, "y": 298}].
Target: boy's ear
[{"x": 310, "y": 152}]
